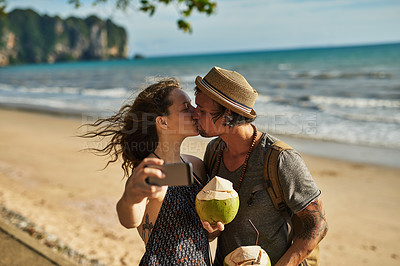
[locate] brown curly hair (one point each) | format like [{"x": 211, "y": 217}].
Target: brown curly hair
[{"x": 133, "y": 129}]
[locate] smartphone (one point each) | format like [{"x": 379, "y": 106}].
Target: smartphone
[{"x": 176, "y": 174}]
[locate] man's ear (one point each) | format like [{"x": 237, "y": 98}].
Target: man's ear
[
  {"x": 161, "y": 121},
  {"x": 227, "y": 116}
]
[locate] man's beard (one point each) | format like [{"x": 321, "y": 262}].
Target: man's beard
[
  {"x": 206, "y": 134},
  {"x": 202, "y": 132}
]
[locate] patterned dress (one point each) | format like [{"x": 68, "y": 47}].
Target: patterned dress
[{"x": 178, "y": 237}]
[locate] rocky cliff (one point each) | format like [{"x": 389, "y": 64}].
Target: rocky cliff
[{"x": 27, "y": 37}]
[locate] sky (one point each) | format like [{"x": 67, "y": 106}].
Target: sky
[{"x": 244, "y": 25}]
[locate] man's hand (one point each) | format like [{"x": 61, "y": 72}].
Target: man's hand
[{"x": 213, "y": 231}]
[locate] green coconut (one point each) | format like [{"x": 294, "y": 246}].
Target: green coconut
[
  {"x": 217, "y": 202},
  {"x": 247, "y": 255}
]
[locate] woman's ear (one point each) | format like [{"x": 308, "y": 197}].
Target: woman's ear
[{"x": 161, "y": 122}]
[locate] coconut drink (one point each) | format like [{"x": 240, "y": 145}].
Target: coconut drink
[
  {"x": 248, "y": 255},
  {"x": 217, "y": 202}
]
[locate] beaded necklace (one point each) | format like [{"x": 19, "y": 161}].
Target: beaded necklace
[{"x": 246, "y": 161}]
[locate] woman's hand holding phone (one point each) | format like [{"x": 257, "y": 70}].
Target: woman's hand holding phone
[{"x": 137, "y": 189}]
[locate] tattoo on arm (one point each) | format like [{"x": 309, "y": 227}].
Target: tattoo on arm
[
  {"x": 315, "y": 225},
  {"x": 147, "y": 228}
]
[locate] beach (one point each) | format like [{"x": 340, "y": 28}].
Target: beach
[{"x": 47, "y": 177}]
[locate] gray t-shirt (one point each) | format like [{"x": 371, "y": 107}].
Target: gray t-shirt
[{"x": 299, "y": 190}]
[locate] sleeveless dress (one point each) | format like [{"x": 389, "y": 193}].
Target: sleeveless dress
[{"x": 178, "y": 237}]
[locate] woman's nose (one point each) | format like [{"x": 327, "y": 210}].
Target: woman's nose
[{"x": 195, "y": 114}]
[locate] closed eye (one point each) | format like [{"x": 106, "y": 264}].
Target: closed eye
[{"x": 186, "y": 107}]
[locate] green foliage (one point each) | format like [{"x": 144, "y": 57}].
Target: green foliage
[
  {"x": 47, "y": 39},
  {"x": 76, "y": 28},
  {"x": 26, "y": 25},
  {"x": 3, "y": 24},
  {"x": 184, "y": 25},
  {"x": 2, "y": 28},
  {"x": 3, "y": 5},
  {"x": 185, "y": 8},
  {"x": 79, "y": 24},
  {"x": 47, "y": 25},
  {"x": 115, "y": 34},
  {"x": 93, "y": 20},
  {"x": 65, "y": 57}
]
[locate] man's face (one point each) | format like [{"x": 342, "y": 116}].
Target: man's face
[{"x": 204, "y": 114}]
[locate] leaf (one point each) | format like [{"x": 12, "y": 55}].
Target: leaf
[
  {"x": 76, "y": 3},
  {"x": 185, "y": 8},
  {"x": 185, "y": 26}
]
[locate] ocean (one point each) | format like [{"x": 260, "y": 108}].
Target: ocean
[{"x": 348, "y": 95}]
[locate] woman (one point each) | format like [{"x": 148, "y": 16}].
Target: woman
[{"x": 149, "y": 132}]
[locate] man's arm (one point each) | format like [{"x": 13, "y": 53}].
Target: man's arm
[{"x": 315, "y": 229}]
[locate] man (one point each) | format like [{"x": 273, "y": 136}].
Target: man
[{"x": 225, "y": 103}]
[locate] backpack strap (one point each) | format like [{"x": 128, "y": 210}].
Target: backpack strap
[
  {"x": 271, "y": 171},
  {"x": 271, "y": 174}
]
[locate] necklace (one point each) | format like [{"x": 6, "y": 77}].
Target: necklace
[{"x": 246, "y": 161}]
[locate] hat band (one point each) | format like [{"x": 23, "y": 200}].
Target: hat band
[{"x": 224, "y": 97}]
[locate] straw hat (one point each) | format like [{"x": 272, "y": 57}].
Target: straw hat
[{"x": 230, "y": 89}]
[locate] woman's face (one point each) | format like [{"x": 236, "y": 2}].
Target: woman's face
[{"x": 179, "y": 120}]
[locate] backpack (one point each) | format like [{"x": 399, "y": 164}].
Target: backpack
[
  {"x": 274, "y": 190},
  {"x": 276, "y": 194}
]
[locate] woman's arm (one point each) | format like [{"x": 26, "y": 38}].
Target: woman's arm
[{"x": 132, "y": 205}]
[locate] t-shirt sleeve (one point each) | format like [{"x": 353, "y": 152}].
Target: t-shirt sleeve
[{"x": 298, "y": 186}]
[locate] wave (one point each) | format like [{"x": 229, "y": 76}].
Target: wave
[
  {"x": 117, "y": 92},
  {"x": 372, "y": 118},
  {"x": 354, "y": 102},
  {"x": 339, "y": 75},
  {"x": 263, "y": 98},
  {"x": 114, "y": 92},
  {"x": 50, "y": 105},
  {"x": 187, "y": 79},
  {"x": 343, "y": 135}
]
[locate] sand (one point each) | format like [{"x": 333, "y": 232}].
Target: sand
[{"x": 46, "y": 177}]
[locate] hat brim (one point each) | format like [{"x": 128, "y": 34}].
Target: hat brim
[{"x": 221, "y": 101}]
